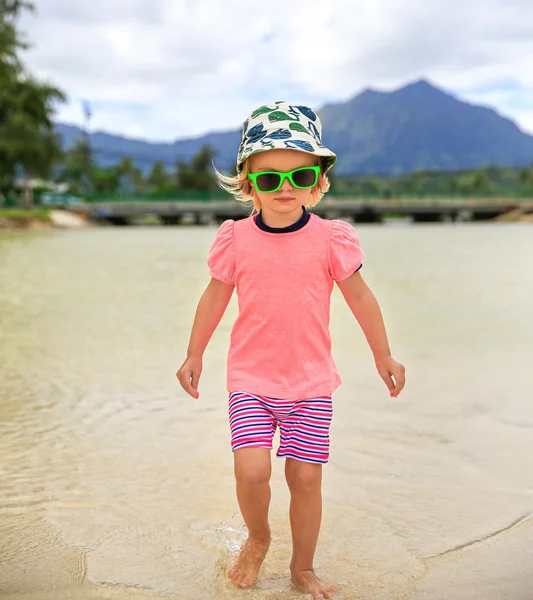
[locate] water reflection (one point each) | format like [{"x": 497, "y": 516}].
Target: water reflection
[{"x": 114, "y": 484}]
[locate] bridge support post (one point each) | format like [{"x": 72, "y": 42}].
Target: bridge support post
[
  {"x": 464, "y": 215},
  {"x": 367, "y": 215}
]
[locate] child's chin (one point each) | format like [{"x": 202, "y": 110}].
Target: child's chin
[{"x": 286, "y": 204}]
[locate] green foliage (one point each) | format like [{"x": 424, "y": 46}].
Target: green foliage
[
  {"x": 197, "y": 175},
  {"x": 105, "y": 181},
  {"x": 130, "y": 177},
  {"x": 159, "y": 180},
  {"x": 489, "y": 181},
  {"x": 15, "y": 214},
  {"x": 10, "y": 40},
  {"x": 77, "y": 167},
  {"x": 27, "y": 139},
  {"x": 193, "y": 179},
  {"x": 526, "y": 176}
]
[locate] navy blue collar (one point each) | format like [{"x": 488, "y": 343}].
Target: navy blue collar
[{"x": 301, "y": 222}]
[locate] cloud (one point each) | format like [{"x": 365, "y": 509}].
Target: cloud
[{"x": 167, "y": 69}]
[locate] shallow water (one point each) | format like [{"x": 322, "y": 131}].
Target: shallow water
[{"x": 114, "y": 484}]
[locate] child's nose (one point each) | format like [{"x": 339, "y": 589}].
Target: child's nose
[{"x": 287, "y": 185}]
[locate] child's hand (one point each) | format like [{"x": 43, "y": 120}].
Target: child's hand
[
  {"x": 393, "y": 374},
  {"x": 189, "y": 374}
]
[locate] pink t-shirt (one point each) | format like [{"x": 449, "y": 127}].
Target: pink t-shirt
[{"x": 280, "y": 343}]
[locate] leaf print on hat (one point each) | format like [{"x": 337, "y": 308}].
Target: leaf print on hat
[
  {"x": 310, "y": 114},
  {"x": 294, "y": 112},
  {"x": 263, "y": 110},
  {"x": 256, "y": 133},
  {"x": 255, "y": 130},
  {"x": 283, "y": 125},
  {"x": 279, "y": 115},
  {"x": 299, "y": 145},
  {"x": 279, "y": 134},
  {"x": 314, "y": 131},
  {"x": 298, "y": 127}
]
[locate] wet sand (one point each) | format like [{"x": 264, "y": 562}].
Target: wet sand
[
  {"x": 496, "y": 567},
  {"x": 116, "y": 485}
]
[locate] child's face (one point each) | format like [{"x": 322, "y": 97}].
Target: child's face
[{"x": 288, "y": 198}]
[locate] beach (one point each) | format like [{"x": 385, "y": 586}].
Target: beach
[{"x": 115, "y": 484}]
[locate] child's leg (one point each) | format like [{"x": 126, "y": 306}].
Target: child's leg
[
  {"x": 305, "y": 483},
  {"x": 252, "y": 475}
]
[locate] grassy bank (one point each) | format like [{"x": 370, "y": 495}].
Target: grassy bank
[{"x": 25, "y": 218}]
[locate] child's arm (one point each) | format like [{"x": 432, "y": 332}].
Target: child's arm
[
  {"x": 211, "y": 307},
  {"x": 365, "y": 308}
]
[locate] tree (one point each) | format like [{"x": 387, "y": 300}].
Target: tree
[
  {"x": 10, "y": 41},
  {"x": 130, "y": 177},
  {"x": 105, "y": 181},
  {"x": 77, "y": 168},
  {"x": 526, "y": 176},
  {"x": 27, "y": 140},
  {"x": 158, "y": 179},
  {"x": 198, "y": 174},
  {"x": 411, "y": 184},
  {"x": 481, "y": 182}
]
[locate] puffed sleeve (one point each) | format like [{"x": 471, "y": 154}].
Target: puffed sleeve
[
  {"x": 221, "y": 257},
  {"x": 345, "y": 255}
]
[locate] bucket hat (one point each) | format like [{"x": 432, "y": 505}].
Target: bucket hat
[{"x": 286, "y": 126}]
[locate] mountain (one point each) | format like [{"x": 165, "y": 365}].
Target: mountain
[
  {"x": 109, "y": 149},
  {"x": 420, "y": 127},
  {"x": 415, "y": 127}
]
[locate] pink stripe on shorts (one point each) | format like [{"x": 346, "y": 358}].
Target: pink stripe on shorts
[{"x": 303, "y": 424}]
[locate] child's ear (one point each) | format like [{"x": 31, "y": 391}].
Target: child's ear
[{"x": 248, "y": 187}]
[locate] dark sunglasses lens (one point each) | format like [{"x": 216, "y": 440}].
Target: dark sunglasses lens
[
  {"x": 267, "y": 182},
  {"x": 304, "y": 178}
]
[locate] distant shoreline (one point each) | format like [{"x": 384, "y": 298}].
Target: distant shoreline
[
  {"x": 47, "y": 218},
  {"x": 20, "y": 218},
  {"x": 39, "y": 218}
]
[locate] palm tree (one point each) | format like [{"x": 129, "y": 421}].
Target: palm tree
[
  {"x": 158, "y": 178},
  {"x": 131, "y": 179},
  {"x": 78, "y": 165},
  {"x": 27, "y": 139}
]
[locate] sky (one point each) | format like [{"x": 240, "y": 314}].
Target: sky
[{"x": 163, "y": 70}]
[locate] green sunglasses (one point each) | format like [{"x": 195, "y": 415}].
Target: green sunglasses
[{"x": 271, "y": 181}]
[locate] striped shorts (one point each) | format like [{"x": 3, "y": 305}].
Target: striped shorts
[{"x": 303, "y": 424}]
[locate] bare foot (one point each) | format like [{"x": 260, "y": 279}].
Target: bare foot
[
  {"x": 245, "y": 569},
  {"x": 308, "y": 582}
]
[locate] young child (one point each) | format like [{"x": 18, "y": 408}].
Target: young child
[{"x": 283, "y": 261}]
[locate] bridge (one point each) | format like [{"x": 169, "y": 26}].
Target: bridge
[{"x": 361, "y": 210}]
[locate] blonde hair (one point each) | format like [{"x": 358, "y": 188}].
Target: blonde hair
[{"x": 242, "y": 189}]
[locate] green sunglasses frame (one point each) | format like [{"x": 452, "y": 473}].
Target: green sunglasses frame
[{"x": 282, "y": 176}]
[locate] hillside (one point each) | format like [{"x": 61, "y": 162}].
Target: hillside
[{"x": 415, "y": 127}]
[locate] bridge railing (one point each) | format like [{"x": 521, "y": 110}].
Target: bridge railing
[
  {"x": 204, "y": 198},
  {"x": 219, "y": 195}
]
